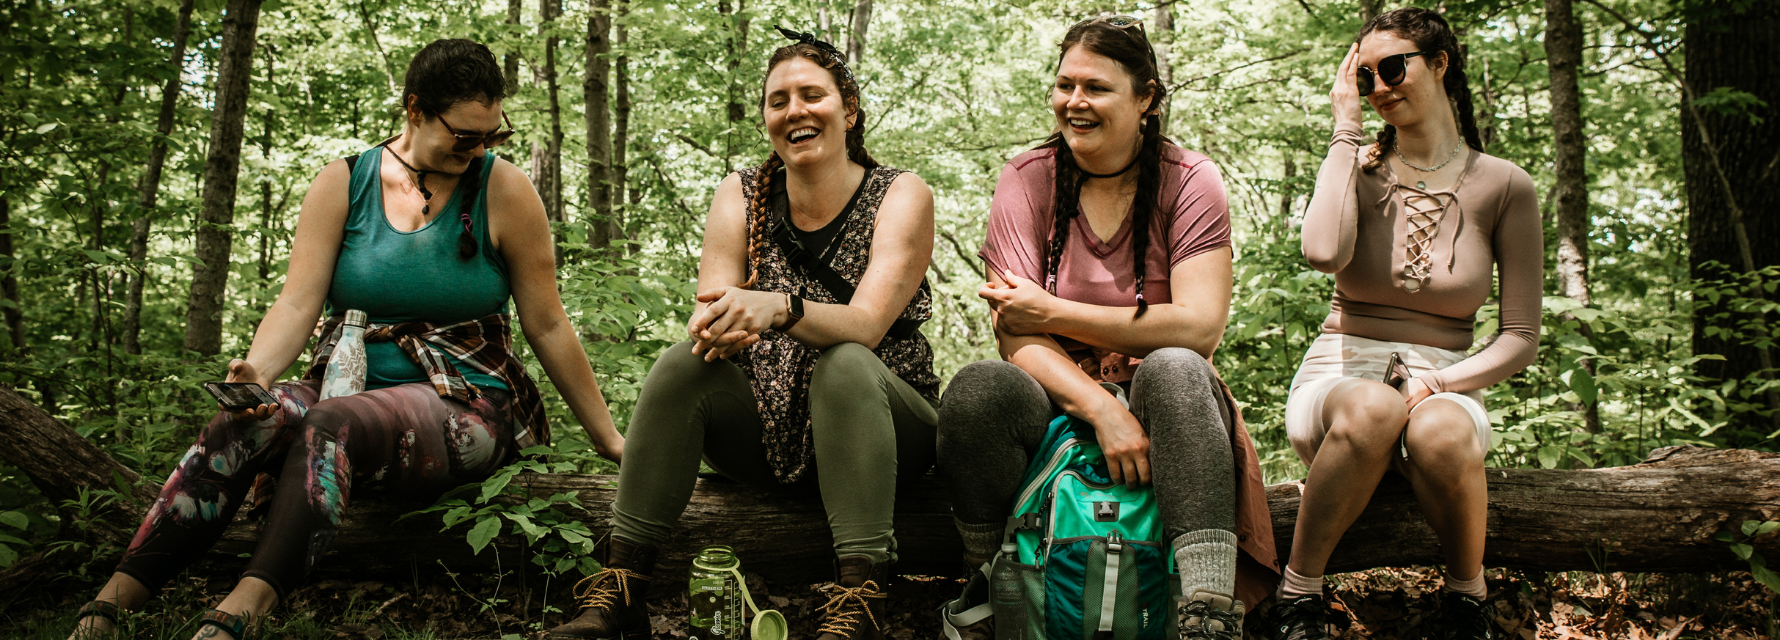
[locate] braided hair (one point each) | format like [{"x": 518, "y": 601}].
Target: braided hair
[
  {"x": 444, "y": 74},
  {"x": 1429, "y": 31},
  {"x": 1131, "y": 49},
  {"x": 760, "y": 221}
]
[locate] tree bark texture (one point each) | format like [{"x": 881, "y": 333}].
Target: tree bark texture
[
  {"x": 547, "y": 156},
  {"x": 620, "y": 119},
  {"x": 1656, "y": 516},
  {"x": 856, "y": 39},
  {"x": 148, "y": 191},
  {"x": 9, "y": 283},
  {"x": 1563, "y": 55},
  {"x": 215, "y": 232},
  {"x": 1731, "y": 45},
  {"x": 1164, "y": 30},
  {"x": 738, "y": 47},
  {"x": 597, "y": 88},
  {"x": 510, "y": 59}
]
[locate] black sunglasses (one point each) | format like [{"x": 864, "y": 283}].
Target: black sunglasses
[
  {"x": 1390, "y": 71},
  {"x": 468, "y": 141}
]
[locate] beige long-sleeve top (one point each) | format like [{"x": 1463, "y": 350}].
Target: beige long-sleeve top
[{"x": 1360, "y": 228}]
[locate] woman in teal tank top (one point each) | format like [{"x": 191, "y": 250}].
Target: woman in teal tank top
[{"x": 430, "y": 235}]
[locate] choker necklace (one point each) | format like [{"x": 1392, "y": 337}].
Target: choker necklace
[
  {"x": 425, "y": 209},
  {"x": 1115, "y": 174}
]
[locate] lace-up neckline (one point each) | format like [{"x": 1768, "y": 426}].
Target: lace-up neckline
[{"x": 1424, "y": 212}]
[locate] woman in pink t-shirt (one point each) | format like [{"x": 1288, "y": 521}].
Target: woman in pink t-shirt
[{"x": 1108, "y": 250}]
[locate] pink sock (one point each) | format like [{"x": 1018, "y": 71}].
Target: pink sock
[
  {"x": 1294, "y": 585},
  {"x": 1473, "y": 587}
]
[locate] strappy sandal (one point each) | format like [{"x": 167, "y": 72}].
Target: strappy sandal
[
  {"x": 100, "y": 608},
  {"x": 234, "y": 625}
]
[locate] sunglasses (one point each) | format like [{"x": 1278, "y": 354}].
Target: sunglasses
[
  {"x": 1390, "y": 71},
  {"x": 468, "y": 141},
  {"x": 1121, "y": 22}
]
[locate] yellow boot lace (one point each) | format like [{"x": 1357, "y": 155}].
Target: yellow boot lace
[
  {"x": 602, "y": 590},
  {"x": 844, "y": 606}
]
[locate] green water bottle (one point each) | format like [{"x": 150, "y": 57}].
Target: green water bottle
[{"x": 715, "y": 598}]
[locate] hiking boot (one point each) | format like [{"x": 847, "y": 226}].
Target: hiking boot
[
  {"x": 1463, "y": 617},
  {"x": 856, "y": 601},
  {"x": 612, "y": 606},
  {"x": 1207, "y": 615},
  {"x": 1299, "y": 618}
]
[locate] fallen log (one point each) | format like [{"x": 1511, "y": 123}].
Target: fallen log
[{"x": 1660, "y": 515}]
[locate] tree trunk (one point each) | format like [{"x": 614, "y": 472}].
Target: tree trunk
[
  {"x": 510, "y": 60},
  {"x": 738, "y": 47},
  {"x": 856, "y": 39},
  {"x": 210, "y": 278},
  {"x": 1729, "y": 162},
  {"x": 1657, "y": 516},
  {"x": 598, "y": 93},
  {"x": 1563, "y": 55},
  {"x": 547, "y": 157},
  {"x": 9, "y": 283},
  {"x": 1370, "y": 9},
  {"x": 1164, "y": 44},
  {"x": 149, "y": 189},
  {"x": 265, "y": 261},
  {"x": 620, "y": 120}
]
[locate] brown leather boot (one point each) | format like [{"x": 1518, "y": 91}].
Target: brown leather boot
[
  {"x": 856, "y": 602},
  {"x": 612, "y": 601}
]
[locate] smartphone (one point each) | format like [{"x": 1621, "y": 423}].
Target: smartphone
[
  {"x": 239, "y": 396},
  {"x": 1395, "y": 372}
]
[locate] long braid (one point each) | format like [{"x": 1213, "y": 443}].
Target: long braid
[
  {"x": 1065, "y": 207},
  {"x": 466, "y": 203},
  {"x": 1149, "y": 192},
  {"x": 1459, "y": 87},
  {"x": 1387, "y": 141},
  {"x": 760, "y": 216}
]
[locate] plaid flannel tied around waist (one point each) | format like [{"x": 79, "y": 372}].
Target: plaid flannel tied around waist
[{"x": 485, "y": 344}]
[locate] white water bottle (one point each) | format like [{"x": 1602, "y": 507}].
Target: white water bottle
[{"x": 346, "y": 367}]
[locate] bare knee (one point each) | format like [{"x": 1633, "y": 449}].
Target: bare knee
[
  {"x": 1364, "y": 417},
  {"x": 1442, "y": 441}
]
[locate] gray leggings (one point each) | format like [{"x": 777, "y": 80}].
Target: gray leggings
[{"x": 994, "y": 415}]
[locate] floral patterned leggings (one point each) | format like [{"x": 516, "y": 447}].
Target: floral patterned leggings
[{"x": 301, "y": 465}]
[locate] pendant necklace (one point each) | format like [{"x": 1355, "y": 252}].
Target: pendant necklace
[
  {"x": 1422, "y": 184},
  {"x": 425, "y": 209}
]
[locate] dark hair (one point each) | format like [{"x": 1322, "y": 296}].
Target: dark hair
[
  {"x": 443, "y": 74},
  {"x": 1429, "y": 31},
  {"x": 759, "y": 216},
  {"x": 1129, "y": 47}
]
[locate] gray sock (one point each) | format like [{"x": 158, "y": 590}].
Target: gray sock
[
  {"x": 1207, "y": 562},
  {"x": 981, "y": 541}
]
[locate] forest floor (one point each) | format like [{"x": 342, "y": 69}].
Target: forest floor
[{"x": 1382, "y": 603}]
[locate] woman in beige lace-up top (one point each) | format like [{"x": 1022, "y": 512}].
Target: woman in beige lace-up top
[{"x": 1412, "y": 226}]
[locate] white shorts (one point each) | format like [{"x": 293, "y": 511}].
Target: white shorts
[{"x": 1335, "y": 357}]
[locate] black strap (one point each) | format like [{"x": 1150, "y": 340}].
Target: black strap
[
  {"x": 351, "y": 163},
  {"x": 817, "y": 267}
]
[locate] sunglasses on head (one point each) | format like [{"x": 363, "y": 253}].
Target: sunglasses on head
[
  {"x": 468, "y": 141},
  {"x": 1120, "y": 22},
  {"x": 1390, "y": 71}
]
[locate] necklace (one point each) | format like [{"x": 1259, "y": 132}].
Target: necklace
[
  {"x": 1421, "y": 184},
  {"x": 425, "y": 209},
  {"x": 1115, "y": 174}
]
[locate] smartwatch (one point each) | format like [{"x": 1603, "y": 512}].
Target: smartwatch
[{"x": 793, "y": 312}]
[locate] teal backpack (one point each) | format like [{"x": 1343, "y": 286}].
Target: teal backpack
[{"x": 1082, "y": 558}]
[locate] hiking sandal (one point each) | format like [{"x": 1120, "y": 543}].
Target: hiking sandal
[
  {"x": 234, "y": 625},
  {"x": 102, "y": 609}
]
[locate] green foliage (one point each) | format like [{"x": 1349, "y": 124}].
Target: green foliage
[
  {"x": 1742, "y": 545},
  {"x": 554, "y": 541}
]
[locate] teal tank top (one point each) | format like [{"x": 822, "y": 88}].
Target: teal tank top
[{"x": 399, "y": 277}]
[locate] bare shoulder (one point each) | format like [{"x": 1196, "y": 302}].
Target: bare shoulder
[{"x": 909, "y": 189}]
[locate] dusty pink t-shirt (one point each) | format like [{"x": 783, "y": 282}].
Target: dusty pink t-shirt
[{"x": 1193, "y": 217}]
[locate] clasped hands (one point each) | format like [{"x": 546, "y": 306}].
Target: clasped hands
[
  {"x": 733, "y": 319},
  {"x": 1021, "y": 306}
]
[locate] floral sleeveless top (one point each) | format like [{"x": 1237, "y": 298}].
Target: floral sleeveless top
[{"x": 779, "y": 368}]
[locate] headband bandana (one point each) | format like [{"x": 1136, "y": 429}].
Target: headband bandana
[{"x": 804, "y": 37}]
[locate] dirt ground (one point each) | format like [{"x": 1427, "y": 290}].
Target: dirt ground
[{"x": 1384, "y": 604}]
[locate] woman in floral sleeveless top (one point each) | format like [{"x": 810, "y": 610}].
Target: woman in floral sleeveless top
[{"x": 806, "y": 372}]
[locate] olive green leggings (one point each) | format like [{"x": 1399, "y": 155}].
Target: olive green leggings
[{"x": 870, "y": 428}]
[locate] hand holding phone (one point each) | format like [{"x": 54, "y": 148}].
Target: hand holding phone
[
  {"x": 1395, "y": 372},
  {"x": 240, "y": 396}
]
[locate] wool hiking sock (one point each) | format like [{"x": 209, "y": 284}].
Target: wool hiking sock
[
  {"x": 981, "y": 541},
  {"x": 1207, "y": 561}
]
